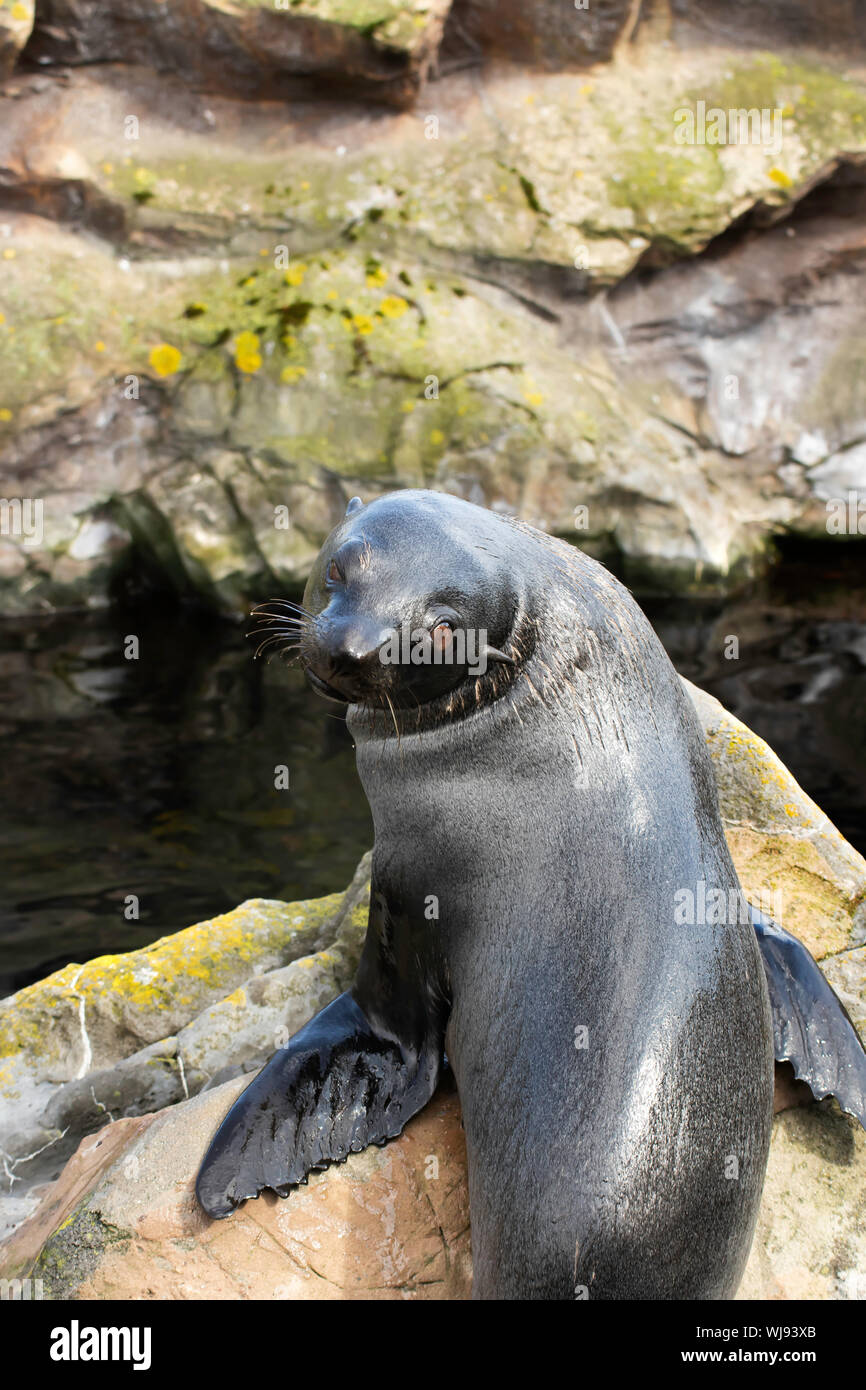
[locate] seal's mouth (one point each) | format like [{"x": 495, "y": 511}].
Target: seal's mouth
[{"x": 327, "y": 692}]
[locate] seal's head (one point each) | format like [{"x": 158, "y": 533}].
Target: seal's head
[{"x": 411, "y": 599}]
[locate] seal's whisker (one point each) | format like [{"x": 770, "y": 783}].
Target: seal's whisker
[
  {"x": 393, "y": 714},
  {"x": 278, "y": 653},
  {"x": 281, "y": 618},
  {"x": 276, "y": 628},
  {"x": 274, "y": 637},
  {"x": 273, "y": 619},
  {"x": 271, "y": 641},
  {"x": 284, "y": 603},
  {"x": 262, "y": 612},
  {"x": 278, "y": 625}
]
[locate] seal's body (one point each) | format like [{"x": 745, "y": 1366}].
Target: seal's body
[
  {"x": 534, "y": 825},
  {"x": 615, "y": 1069}
]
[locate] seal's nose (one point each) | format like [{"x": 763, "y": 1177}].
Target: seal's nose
[
  {"x": 347, "y": 655},
  {"x": 359, "y": 643},
  {"x": 354, "y": 642}
]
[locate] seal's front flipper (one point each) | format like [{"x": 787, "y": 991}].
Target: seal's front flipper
[
  {"x": 811, "y": 1028},
  {"x": 337, "y": 1086}
]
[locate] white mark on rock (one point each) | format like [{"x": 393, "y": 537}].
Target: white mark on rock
[{"x": 87, "y": 1050}]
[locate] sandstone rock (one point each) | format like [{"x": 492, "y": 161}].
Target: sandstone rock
[
  {"x": 16, "y": 23},
  {"x": 810, "y": 1240},
  {"x": 788, "y": 854},
  {"x": 381, "y": 48},
  {"x": 122, "y": 1221},
  {"x": 847, "y": 974}
]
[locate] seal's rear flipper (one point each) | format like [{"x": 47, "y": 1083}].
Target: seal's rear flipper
[
  {"x": 336, "y": 1087},
  {"x": 811, "y": 1028}
]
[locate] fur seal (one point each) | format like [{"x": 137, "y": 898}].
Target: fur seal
[{"x": 536, "y": 815}]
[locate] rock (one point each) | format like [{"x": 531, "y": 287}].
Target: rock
[
  {"x": 433, "y": 388},
  {"x": 837, "y": 26},
  {"x": 195, "y": 1012},
  {"x": 122, "y": 1221},
  {"x": 599, "y": 333},
  {"x": 128, "y": 1034},
  {"x": 545, "y": 33},
  {"x": 788, "y": 439},
  {"x": 16, "y": 23},
  {"x": 243, "y": 1030},
  {"x": 379, "y": 48},
  {"x": 847, "y": 974},
  {"x": 810, "y": 1240},
  {"x": 789, "y": 856},
  {"x": 101, "y": 1011}
]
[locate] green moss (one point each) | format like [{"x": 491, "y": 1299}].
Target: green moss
[
  {"x": 365, "y": 15},
  {"x": 679, "y": 193},
  {"x": 74, "y": 1251},
  {"x": 669, "y": 188},
  {"x": 823, "y": 109}
]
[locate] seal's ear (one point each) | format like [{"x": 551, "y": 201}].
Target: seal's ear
[
  {"x": 355, "y": 505},
  {"x": 493, "y": 654}
]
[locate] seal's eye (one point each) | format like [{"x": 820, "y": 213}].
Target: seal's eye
[
  {"x": 442, "y": 635},
  {"x": 441, "y": 623},
  {"x": 335, "y": 574}
]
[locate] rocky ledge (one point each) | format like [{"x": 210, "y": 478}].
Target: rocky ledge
[
  {"x": 222, "y": 317},
  {"x": 115, "y": 1074}
]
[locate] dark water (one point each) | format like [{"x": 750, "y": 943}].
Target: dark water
[{"x": 156, "y": 777}]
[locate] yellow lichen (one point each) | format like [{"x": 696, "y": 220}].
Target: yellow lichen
[
  {"x": 393, "y": 306},
  {"x": 164, "y": 359},
  {"x": 247, "y": 356},
  {"x": 184, "y": 972}
]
